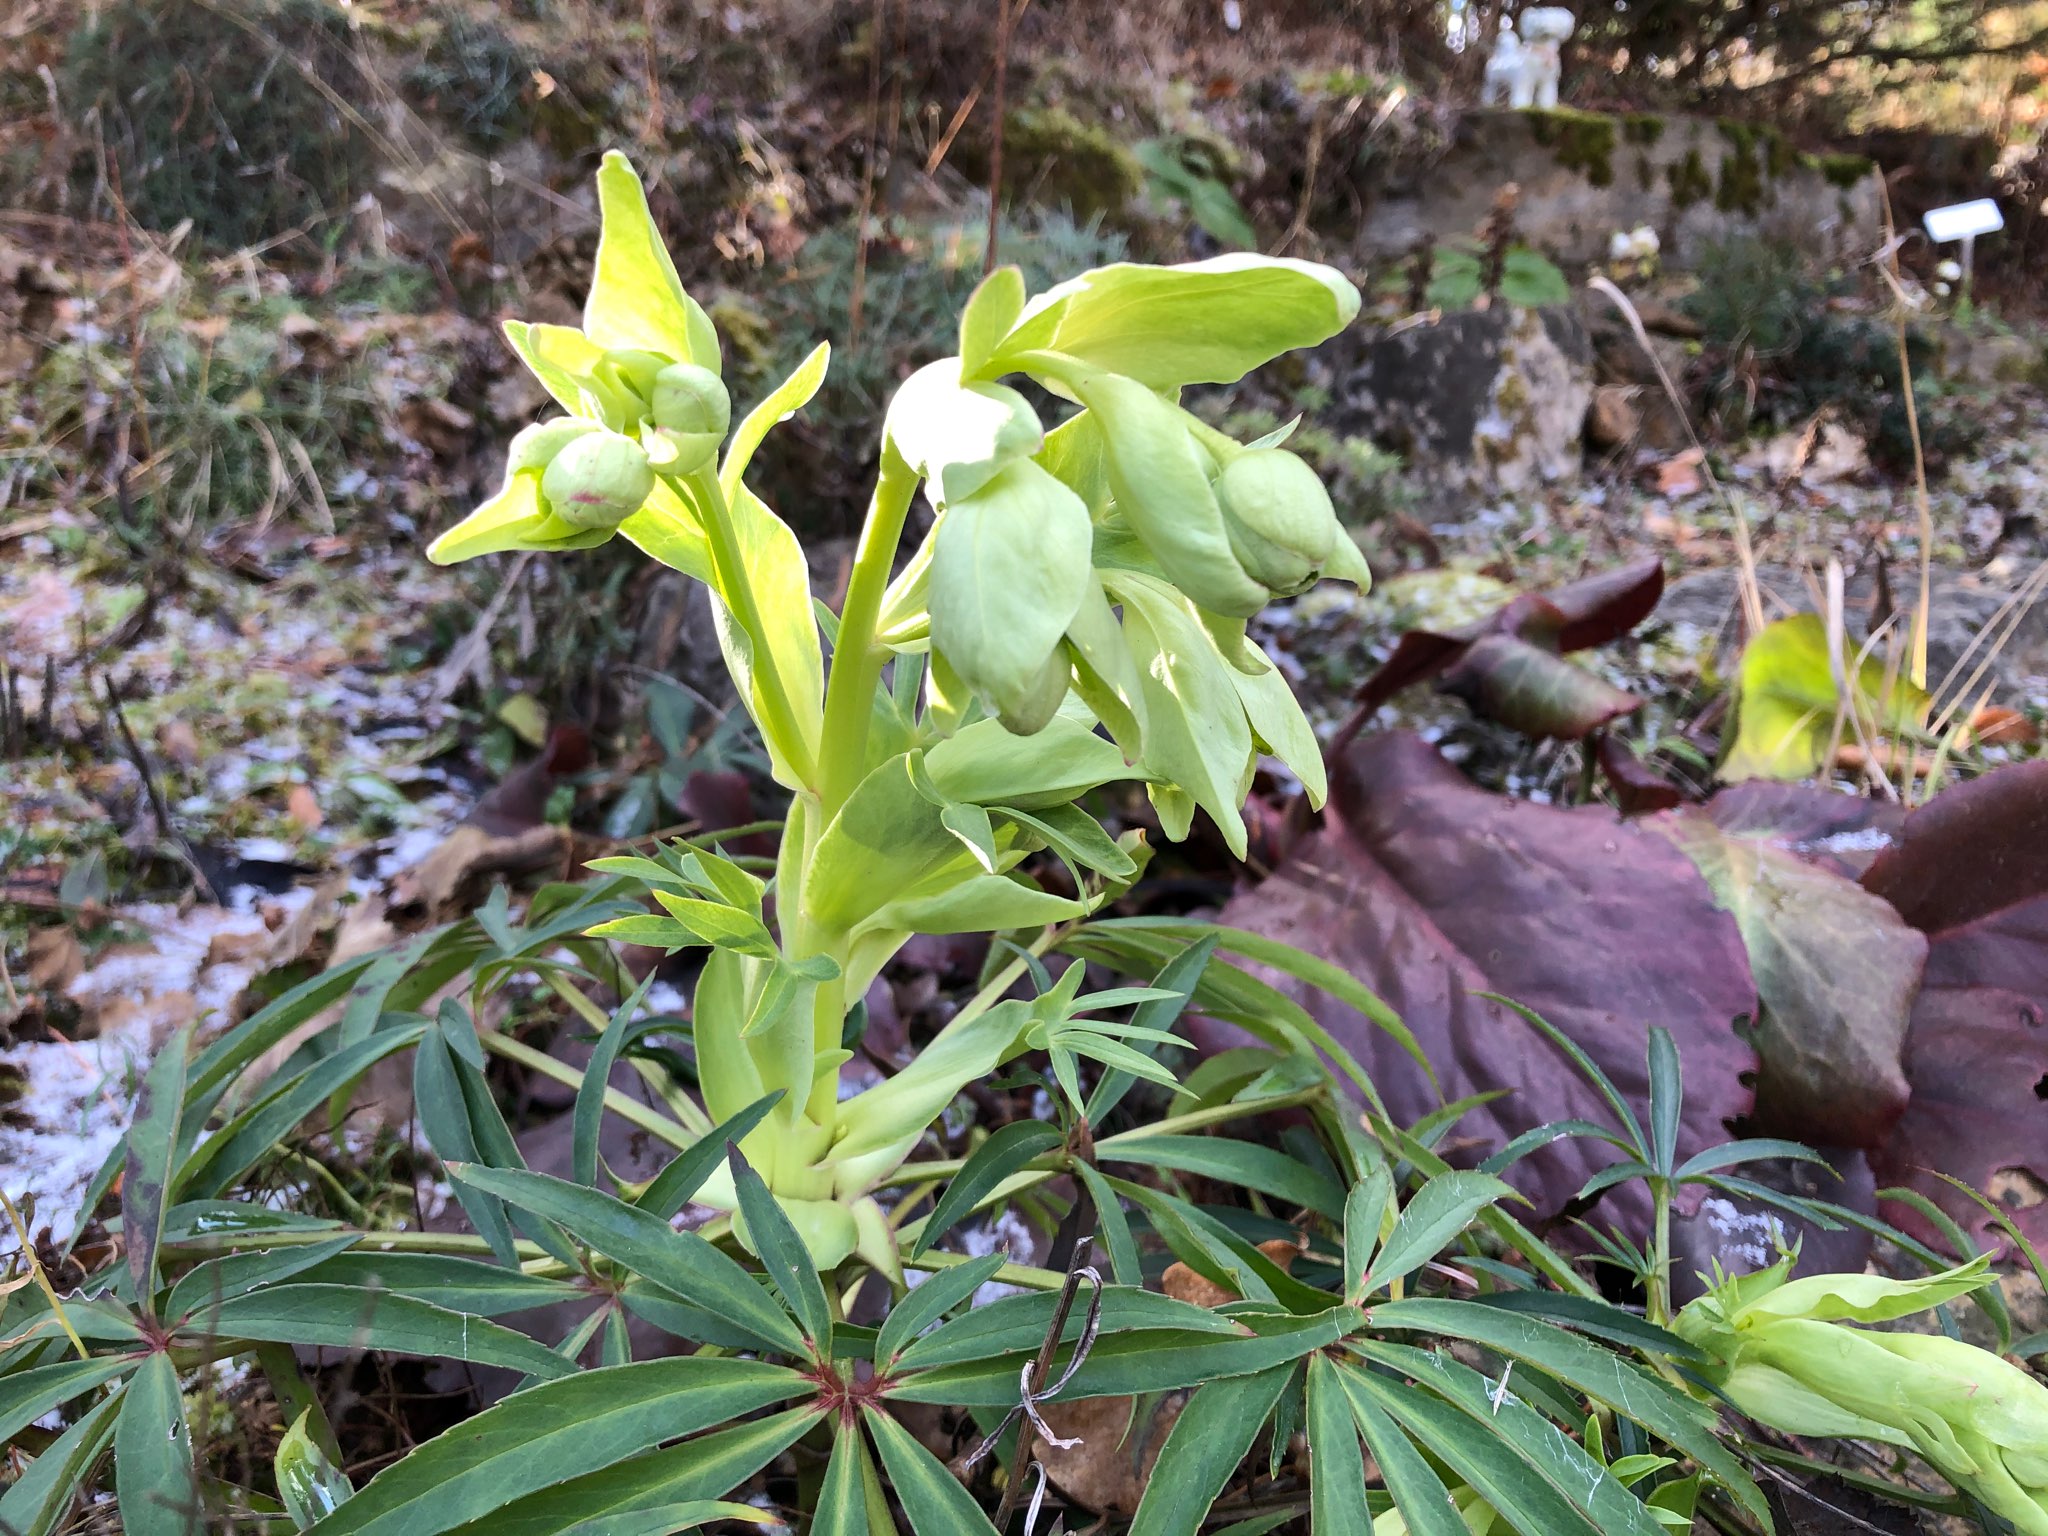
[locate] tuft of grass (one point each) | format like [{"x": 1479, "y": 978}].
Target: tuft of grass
[{"x": 228, "y": 113}]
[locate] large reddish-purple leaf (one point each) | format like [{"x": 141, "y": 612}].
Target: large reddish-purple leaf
[
  {"x": 1837, "y": 831},
  {"x": 1590, "y": 611},
  {"x": 1432, "y": 892},
  {"x": 1970, "y": 870},
  {"x": 1837, "y": 971}
]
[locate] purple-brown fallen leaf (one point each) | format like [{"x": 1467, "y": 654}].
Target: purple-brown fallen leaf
[
  {"x": 1433, "y": 892},
  {"x": 1638, "y": 788},
  {"x": 1970, "y": 871}
]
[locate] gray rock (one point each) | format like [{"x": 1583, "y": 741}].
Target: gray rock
[{"x": 1482, "y": 400}]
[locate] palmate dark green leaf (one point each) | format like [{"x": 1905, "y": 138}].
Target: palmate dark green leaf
[
  {"x": 232, "y": 1274},
  {"x": 1480, "y": 1455},
  {"x": 1205, "y": 1445},
  {"x": 1018, "y": 1323},
  {"x": 1548, "y": 1450},
  {"x": 1602, "y": 1376},
  {"x": 344, "y": 1317},
  {"x": 681, "y": 1262},
  {"x": 1434, "y": 1214},
  {"x": 153, "y": 1477},
  {"x": 588, "y": 1116},
  {"x": 152, "y": 1148},
  {"x": 782, "y": 1254},
  {"x": 671, "y": 1189},
  {"x": 843, "y": 1500},
  {"x": 931, "y": 1496},
  {"x": 43, "y": 1495},
  {"x": 705, "y": 1468},
  {"x": 26, "y": 1396},
  {"x": 249, "y": 1137},
  {"x": 1413, "y": 1484},
  {"x": 1265, "y": 1169},
  {"x": 551, "y": 1433},
  {"x": 930, "y": 1301},
  {"x": 1007, "y": 1150},
  {"x": 1127, "y": 1364},
  {"x": 446, "y": 1280},
  {"x": 1336, "y": 1469}
]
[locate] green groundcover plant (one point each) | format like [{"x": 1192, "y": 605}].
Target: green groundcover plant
[{"x": 1074, "y": 618}]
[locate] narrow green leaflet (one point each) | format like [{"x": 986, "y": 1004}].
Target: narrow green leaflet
[
  {"x": 842, "y": 1502},
  {"x": 1113, "y": 1227},
  {"x": 553, "y": 1432},
  {"x": 446, "y": 1280},
  {"x": 346, "y": 1318},
  {"x": 249, "y": 1137},
  {"x": 152, "y": 1146},
  {"x": 930, "y": 1494},
  {"x": 26, "y": 1396},
  {"x": 681, "y": 1262},
  {"x": 1265, "y": 1169},
  {"x": 1018, "y": 1323},
  {"x": 1006, "y": 1151},
  {"x": 217, "y": 1280},
  {"x": 990, "y": 312},
  {"x": 931, "y": 1300},
  {"x": 1435, "y": 1214},
  {"x": 1418, "y": 1493},
  {"x": 588, "y": 1117},
  {"x": 1605, "y": 1377},
  {"x": 1178, "y": 976},
  {"x": 442, "y": 1110},
  {"x": 670, "y": 1518},
  {"x": 705, "y": 1468},
  {"x": 782, "y": 1254},
  {"x": 1336, "y": 1470},
  {"x": 1207, "y": 1442},
  {"x": 1365, "y": 1214},
  {"x": 781, "y": 403},
  {"x": 670, "y": 1190},
  {"x": 154, "y": 1481},
  {"x": 44, "y": 1494}
]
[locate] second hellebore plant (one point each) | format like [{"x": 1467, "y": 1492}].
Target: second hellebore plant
[{"x": 1075, "y": 617}]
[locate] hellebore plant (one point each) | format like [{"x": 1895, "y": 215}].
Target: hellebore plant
[
  {"x": 1786, "y": 1360},
  {"x": 1075, "y": 617}
]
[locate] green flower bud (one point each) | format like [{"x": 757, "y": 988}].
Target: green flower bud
[
  {"x": 1281, "y": 525},
  {"x": 1032, "y": 712},
  {"x": 691, "y": 408},
  {"x": 597, "y": 480},
  {"x": 535, "y": 447}
]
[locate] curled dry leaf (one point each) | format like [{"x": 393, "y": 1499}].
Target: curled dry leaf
[{"x": 1510, "y": 666}]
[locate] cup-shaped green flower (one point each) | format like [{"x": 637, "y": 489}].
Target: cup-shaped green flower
[
  {"x": 597, "y": 480},
  {"x": 1787, "y": 1360},
  {"x": 691, "y": 408}
]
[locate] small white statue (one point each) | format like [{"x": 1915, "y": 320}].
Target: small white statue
[
  {"x": 1504, "y": 68},
  {"x": 1543, "y": 32}
]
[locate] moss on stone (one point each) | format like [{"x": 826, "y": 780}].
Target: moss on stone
[
  {"x": 1758, "y": 156},
  {"x": 1068, "y": 162},
  {"x": 1689, "y": 180},
  {"x": 1580, "y": 141},
  {"x": 1643, "y": 127},
  {"x": 1843, "y": 171}
]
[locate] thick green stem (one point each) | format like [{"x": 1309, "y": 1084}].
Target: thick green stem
[
  {"x": 856, "y": 657},
  {"x": 729, "y": 566}
]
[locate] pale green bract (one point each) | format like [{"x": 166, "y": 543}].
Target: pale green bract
[
  {"x": 1075, "y": 617},
  {"x": 1787, "y": 1361}
]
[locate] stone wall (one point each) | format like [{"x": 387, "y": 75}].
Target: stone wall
[{"x": 1584, "y": 175}]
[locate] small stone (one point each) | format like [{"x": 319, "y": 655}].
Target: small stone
[{"x": 1613, "y": 420}]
